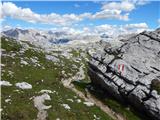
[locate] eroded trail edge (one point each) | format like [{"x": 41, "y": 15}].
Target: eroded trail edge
[
  {"x": 39, "y": 104},
  {"x": 88, "y": 97}
]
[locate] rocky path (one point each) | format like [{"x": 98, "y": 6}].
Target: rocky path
[
  {"x": 88, "y": 97},
  {"x": 39, "y": 104}
]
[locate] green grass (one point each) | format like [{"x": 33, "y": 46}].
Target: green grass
[
  {"x": 122, "y": 109},
  {"x": 10, "y": 45},
  {"x": 81, "y": 85},
  {"x": 21, "y": 107},
  {"x": 127, "y": 111}
]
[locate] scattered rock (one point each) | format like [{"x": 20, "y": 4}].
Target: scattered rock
[
  {"x": 24, "y": 85},
  {"x": 5, "y": 83},
  {"x": 2, "y": 65},
  {"x": 71, "y": 100},
  {"x": 7, "y": 100},
  {"x": 66, "y": 106},
  {"x": 52, "y": 58},
  {"x": 89, "y": 104},
  {"x": 78, "y": 100},
  {"x": 46, "y": 91},
  {"x": 23, "y": 62}
]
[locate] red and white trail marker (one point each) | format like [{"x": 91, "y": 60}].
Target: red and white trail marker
[{"x": 121, "y": 68}]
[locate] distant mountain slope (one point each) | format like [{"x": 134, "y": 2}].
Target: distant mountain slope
[{"x": 49, "y": 38}]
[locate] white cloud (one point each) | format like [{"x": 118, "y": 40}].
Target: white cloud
[
  {"x": 136, "y": 26},
  {"x": 104, "y": 28},
  {"x": 139, "y": 2},
  {"x": 1, "y": 10},
  {"x": 26, "y": 14},
  {"x": 109, "y": 10},
  {"x": 6, "y": 27},
  {"x": 110, "y": 14},
  {"x": 110, "y": 30},
  {"x": 68, "y": 30},
  {"x": 122, "y": 6},
  {"x": 121, "y": 29},
  {"x": 117, "y": 10}
]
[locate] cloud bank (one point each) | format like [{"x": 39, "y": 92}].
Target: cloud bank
[{"x": 109, "y": 10}]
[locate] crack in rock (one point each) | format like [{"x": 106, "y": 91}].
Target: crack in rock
[{"x": 133, "y": 84}]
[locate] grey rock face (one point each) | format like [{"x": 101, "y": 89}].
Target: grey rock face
[{"x": 127, "y": 72}]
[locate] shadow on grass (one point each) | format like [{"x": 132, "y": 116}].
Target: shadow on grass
[{"x": 122, "y": 108}]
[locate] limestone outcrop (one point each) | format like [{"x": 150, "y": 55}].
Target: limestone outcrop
[{"x": 131, "y": 71}]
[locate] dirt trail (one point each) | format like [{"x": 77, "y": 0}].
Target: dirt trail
[
  {"x": 90, "y": 98},
  {"x": 39, "y": 104}
]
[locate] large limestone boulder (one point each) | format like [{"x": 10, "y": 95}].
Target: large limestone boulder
[{"x": 131, "y": 71}]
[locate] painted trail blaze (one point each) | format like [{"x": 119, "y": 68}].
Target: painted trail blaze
[{"x": 121, "y": 68}]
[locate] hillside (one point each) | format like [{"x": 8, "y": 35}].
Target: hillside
[
  {"x": 53, "y": 84},
  {"x": 42, "y": 73}
]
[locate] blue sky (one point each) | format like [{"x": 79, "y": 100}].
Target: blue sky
[{"x": 147, "y": 13}]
